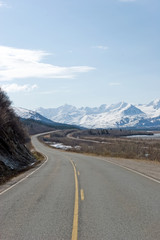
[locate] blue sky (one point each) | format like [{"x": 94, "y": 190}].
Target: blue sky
[{"x": 84, "y": 53}]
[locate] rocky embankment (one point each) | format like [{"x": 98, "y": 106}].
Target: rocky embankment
[{"x": 14, "y": 156}]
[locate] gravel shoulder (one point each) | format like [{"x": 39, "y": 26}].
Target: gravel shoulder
[{"x": 148, "y": 168}]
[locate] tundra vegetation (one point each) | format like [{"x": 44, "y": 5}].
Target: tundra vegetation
[{"x": 108, "y": 142}]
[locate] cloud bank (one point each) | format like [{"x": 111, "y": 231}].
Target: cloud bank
[
  {"x": 23, "y": 63},
  {"x": 2, "y": 4},
  {"x": 13, "y": 88}
]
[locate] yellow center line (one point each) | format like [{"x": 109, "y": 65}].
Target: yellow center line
[
  {"x": 75, "y": 217},
  {"x": 78, "y": 173},
  {"x": 82, "y": 194}
]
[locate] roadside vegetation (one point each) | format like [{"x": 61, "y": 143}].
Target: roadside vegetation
[
  {"x": 35, "y": 126},
  {"x": 108, "y": 143},
  {"x": 15, "y": 157}
]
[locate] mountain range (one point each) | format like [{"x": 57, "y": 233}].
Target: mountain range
[
  {"x": 105, "y": 116},
  {"x": 30, "y": 114},
  {"x": 37, "y": 123}
]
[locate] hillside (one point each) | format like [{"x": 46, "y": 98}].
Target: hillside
[
  {"x": 35, "y": 126},
  {"x": 32, "y": 115},
  {"x": 14, "y": 156},
  {"x": 37, "y": 123}
]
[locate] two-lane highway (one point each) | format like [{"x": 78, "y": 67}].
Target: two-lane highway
[{"x": 74, "y": 196}]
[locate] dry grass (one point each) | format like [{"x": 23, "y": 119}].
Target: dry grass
[
  {"x": 112, "y": 147},
  {"x": 38, "y": 156}
]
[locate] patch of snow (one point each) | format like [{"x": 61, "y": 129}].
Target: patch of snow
[
  {"x": 9, "y": 162},
  {"x": 60, "y": 146},
  {"x": 77, "y": 147}
]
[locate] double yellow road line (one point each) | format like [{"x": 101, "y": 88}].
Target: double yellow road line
[{"x": 76, "y": 204}]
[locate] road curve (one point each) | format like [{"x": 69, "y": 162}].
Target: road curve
[{"x": 74, "y": 196}]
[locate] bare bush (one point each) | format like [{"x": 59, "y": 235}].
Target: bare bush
[
  {"x": 112, "y": 147},
  {"x": 9, "y": 122}
]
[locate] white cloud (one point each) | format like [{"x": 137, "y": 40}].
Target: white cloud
[
  {"x": 101, "y": 47},
  {"x": 114, "y": 84},
  {"x": 2, "y": 4},
  {"x": 23, "y": 63},
  {"x": 12, "y": 88}
]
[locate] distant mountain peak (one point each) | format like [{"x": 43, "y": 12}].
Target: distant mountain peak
[
  {"x": 132, "y": 110},
  {"x": 121, "y": 114},
  {"x": 30, "y": 114},
  {"x": 155, "y": 104}
]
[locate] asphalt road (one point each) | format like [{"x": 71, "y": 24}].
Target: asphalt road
[{"x": 74, "y": 196}]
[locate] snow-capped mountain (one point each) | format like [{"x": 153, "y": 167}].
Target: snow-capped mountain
[
  {"x": 29, "y": 114},
  {"x": 152, "y": 109},
  {"x": 106, "y": 116},
  {"x": 155, "y": 104}
]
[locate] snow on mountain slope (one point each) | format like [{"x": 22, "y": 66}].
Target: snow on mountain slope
[
  {"x": 152, "y": 109},
  {"x": 29, "y": 114},
  {"x": 116, "y": 115},
  {"x": 106, "y": 116},
  {"x": 155, "y": 104}
]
